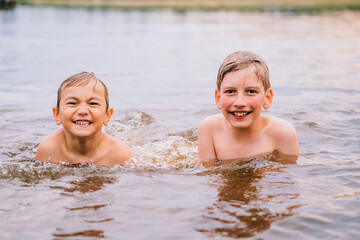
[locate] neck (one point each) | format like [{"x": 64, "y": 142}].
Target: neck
[
  {"x": 82, "y": 147},
  {"x": 252, "y": 131}
]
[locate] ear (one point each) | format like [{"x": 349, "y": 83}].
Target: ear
[
  {"x": 108, "y": 115},
  {"x": 217, "y": 99},
  {"x": 268, "y": 98},
  {"x": 56, "y": 114}
]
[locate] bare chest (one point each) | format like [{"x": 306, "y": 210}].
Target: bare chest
[
  {"x": 228, "y": 147},
  {"x": 63, "y": 156}
]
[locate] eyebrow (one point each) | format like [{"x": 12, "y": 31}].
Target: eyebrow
[
  {"x": 74, "y": 97},
  {"x": 71, "y": 98},
  {"x": 96, "y": 98}
]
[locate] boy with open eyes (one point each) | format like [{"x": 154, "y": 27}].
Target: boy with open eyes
[
  {"x": 241, "y": 132},
  {"x": 82, "y": 109}
]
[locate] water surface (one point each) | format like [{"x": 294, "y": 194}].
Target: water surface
[{"x": 160, "y": 68}]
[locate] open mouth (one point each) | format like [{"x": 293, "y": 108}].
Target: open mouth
[
  {"x": 240, "y": 114},
  {"x": 82, "y": 122}
]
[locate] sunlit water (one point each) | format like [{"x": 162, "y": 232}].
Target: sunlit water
[{"x": 160, "y": 68}]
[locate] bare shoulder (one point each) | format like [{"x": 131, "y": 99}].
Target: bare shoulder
[
  {"x": 49, "y": 146},
  {"x": 207, "y": 132},
  {"x": 211, "y": 122},
  {"x": 209, "y": 127},
  {"x": 119, "y": 152},
  {"x": 281, "y": 125},
  {"x": 284, "y": 135}
]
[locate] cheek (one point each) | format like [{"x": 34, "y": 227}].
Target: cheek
[
  {"x": 68, "y": 111},
  {"x": 256, "y": 101},
  {"x": 99, "y": 113},
  {"x": 225, "y": 101}
]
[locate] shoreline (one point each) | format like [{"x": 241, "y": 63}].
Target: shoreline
[{"x": 205, "y": 5}]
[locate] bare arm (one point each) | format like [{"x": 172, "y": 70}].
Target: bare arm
[
  {"x": 118, "y": 154},
  {"x": 127, "y": 155},
  {"x": 206, "y": 149},
  {"x": 48, "y": 150},
  {"x": 43, "y": 152},
  {"x": 287, "y": 139}
]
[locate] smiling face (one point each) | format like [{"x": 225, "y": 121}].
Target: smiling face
[
  {"x": 241, "y": 97},
  {"x": 82, "y": 109}
]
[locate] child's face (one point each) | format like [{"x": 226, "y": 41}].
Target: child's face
[
  {"x": 242, "y": 97},
  {"x": 82, "y": 110}
]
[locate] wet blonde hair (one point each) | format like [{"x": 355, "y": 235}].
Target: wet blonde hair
[
  {"x": 241, "y": 60},
  {"x": 79, "y": 79}
]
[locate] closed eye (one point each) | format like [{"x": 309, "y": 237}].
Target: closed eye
[{"x": 94, "y": 104}]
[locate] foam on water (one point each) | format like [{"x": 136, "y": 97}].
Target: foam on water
[
  {"x": 172, "y": 152},
  {"x": 177, "y": 150}
]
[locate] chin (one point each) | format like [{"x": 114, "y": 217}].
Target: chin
[
  {"x": 239, "y": 125},
  {"x": 80, "y": 134}
]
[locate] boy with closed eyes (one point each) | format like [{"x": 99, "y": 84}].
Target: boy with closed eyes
[{"x": 82, "y": 109}]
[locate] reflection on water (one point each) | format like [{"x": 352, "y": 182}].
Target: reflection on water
[
  {"x": 275, "y": 156},
  {"x": 243, "y": 207},
  {"x": 87, "y": 233},
  {"x": 89, "y": 184},
  {"x": 80, "y": 186}
]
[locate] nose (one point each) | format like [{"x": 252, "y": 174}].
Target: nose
[
  {"x": 240, "y": 100},
  {"x": 83, "y": 109}
]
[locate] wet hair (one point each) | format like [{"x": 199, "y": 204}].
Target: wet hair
[
  {"x": 80, "y": 79},
  {"x": 241, "y": 60}
]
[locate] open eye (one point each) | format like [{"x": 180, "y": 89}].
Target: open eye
[
  {"x": 229, "y": 91},
  {"x": 252, "y": 91}
]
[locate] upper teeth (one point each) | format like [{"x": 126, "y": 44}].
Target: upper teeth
[
  {"x": 238, "y": 114},
  {"x": 82, "y": 122}
]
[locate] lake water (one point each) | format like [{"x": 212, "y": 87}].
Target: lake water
[{"x": 160, "y": 68}]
